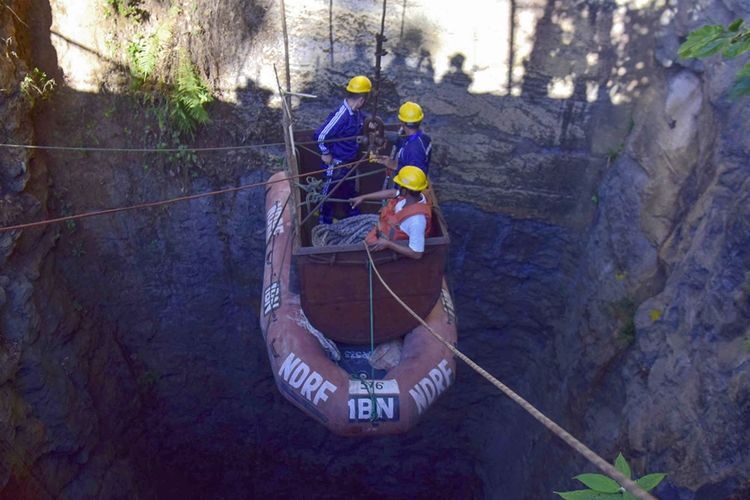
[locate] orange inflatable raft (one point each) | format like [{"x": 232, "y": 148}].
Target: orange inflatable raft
[{"x": 320, "y": 354}]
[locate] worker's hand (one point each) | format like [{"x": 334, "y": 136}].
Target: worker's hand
[
  {"x": 379, "y": 245},
  {"x": 327, "y": 159},
  {"x": 356, "y": 201}
]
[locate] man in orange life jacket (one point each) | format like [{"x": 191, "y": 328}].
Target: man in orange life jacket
[{"x": 407, "y": 216}]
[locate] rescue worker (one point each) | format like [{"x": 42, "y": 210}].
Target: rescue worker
[
  {"x": 413, "y": 146},
  {"x": 406, "y": 216},
  {"x": 345, "y": 122}
]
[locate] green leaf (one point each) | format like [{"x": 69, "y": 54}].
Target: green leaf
[
  {"x": 704, "y": 41},
  {"x": 744, "y": 73},
  {"x": 587, "y": 495},
  {"x": 622, "y": 466},
  {"x": 599, "y": 483},
  {"x": 626, "y": 495},
  {"x": 649, "y": 481},
  {"x": 735, "y": 26},
  {"x": 712, "y": 47},
  {"x": 742, "y": 83},
  {"x": 737, "y": 48}
]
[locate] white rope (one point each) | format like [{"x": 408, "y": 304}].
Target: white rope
[{"x": 347, "y": 231}]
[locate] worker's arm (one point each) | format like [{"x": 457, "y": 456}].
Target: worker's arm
[
  {"x": 389, "y": 162},
  {"x": 383, "y": 243},
  {"x": 377, "y": 195},
  {"x": 413, "y": 226}
]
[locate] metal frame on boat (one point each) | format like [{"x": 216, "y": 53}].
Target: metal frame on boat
[{"x": 333, "y": 280}]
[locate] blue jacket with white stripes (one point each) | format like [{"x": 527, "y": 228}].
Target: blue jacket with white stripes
[
  {"x": 414, "y": 150},
  {"x": 344, "y": 122}
]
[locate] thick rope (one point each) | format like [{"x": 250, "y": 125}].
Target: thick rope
[
  {"x": 569, "y": 439},
  {"x": 347, "y": 231}
]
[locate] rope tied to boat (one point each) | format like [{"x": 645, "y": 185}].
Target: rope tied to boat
[
  {"x": 312, "y": 187},
  {"x": 627, "y": 483},
  {"x": 347, "y": 231}
]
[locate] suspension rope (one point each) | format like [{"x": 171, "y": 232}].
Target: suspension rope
[
  {"x": 165, "y": 202},
  {"x": 371, "y": 390},
  {"x": 569, "y": 439}
]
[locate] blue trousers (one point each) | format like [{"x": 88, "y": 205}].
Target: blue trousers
[{"x": 345, "y": 190}]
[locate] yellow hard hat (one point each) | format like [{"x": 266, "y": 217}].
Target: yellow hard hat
[
  {"x": 411, "y": 177},
  {"x": 410, "y": 112},
  {"x": 359, "y": 85}
]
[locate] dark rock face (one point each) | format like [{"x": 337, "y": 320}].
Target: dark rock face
[
  {"x": 599, "y": 265},
  {"x": 61, "y": 371}
]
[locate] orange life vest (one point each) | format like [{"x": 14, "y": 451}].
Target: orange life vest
[{"x": 389, "y": 225}]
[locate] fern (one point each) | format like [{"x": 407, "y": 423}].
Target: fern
[
  {"x": 188, "y": 99},
  {"x": 145, "y": 51},
  {"x": 181, "y": 95},
  {"x": 143, "y": 54}
]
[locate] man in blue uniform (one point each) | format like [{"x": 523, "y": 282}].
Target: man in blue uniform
[
  {"x": 346, "y": 122},
  {"x": 413, "y": 146}
]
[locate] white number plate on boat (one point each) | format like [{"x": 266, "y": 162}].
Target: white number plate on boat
[{"x": 368, "y": 387}]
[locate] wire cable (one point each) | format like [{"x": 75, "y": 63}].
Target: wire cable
[
  {"x": 166, "y": 202},
  {"x": 166, "y": 150}
]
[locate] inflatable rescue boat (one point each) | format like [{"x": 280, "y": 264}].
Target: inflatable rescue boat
[{"x": 321, "y": 315}]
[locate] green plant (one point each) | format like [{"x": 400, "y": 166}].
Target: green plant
[
  {"x": 126, "y": 8},
  {"x": 143, "y": 55},
  {"x": 623, "y": 311},
  {"x": 37, "y": 85},
  {"x": 601, "y": 487},
  {"x": 745, "y": 287},
  {"x": 78, "y": 250},
  {"x": 614, "y": 152},
  {"x": 179, "y": 99},
  {"x": 188, "y": 99},
  {"x": 731, "y": 41},
  {"x": 147, "y": 380}
]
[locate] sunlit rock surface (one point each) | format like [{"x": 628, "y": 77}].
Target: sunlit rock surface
[{"x": 596, "y": 188}]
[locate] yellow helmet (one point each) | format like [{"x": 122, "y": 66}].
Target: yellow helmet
[
  {"x": 411, "y": 177},
  {"x": 359, "y": 85},
  {"x": 410, "y": 112}
]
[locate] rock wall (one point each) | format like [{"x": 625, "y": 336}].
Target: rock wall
[
  {"x": 596, "y": 191},
  {"x": 671, "y": 242},
  {"x": 62, "y": 371}
]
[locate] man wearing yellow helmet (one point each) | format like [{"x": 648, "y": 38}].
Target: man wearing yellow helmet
[
  {"x": 406, "y": 216},
  {"x": 346, "y": 123},
  {"x": 413, "y": 146}
]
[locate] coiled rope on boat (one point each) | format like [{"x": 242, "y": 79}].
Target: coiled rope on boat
[{"x": 347, "y": 231}]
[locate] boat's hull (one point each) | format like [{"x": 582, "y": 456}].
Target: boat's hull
[{"x": 306, "y": 375}]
